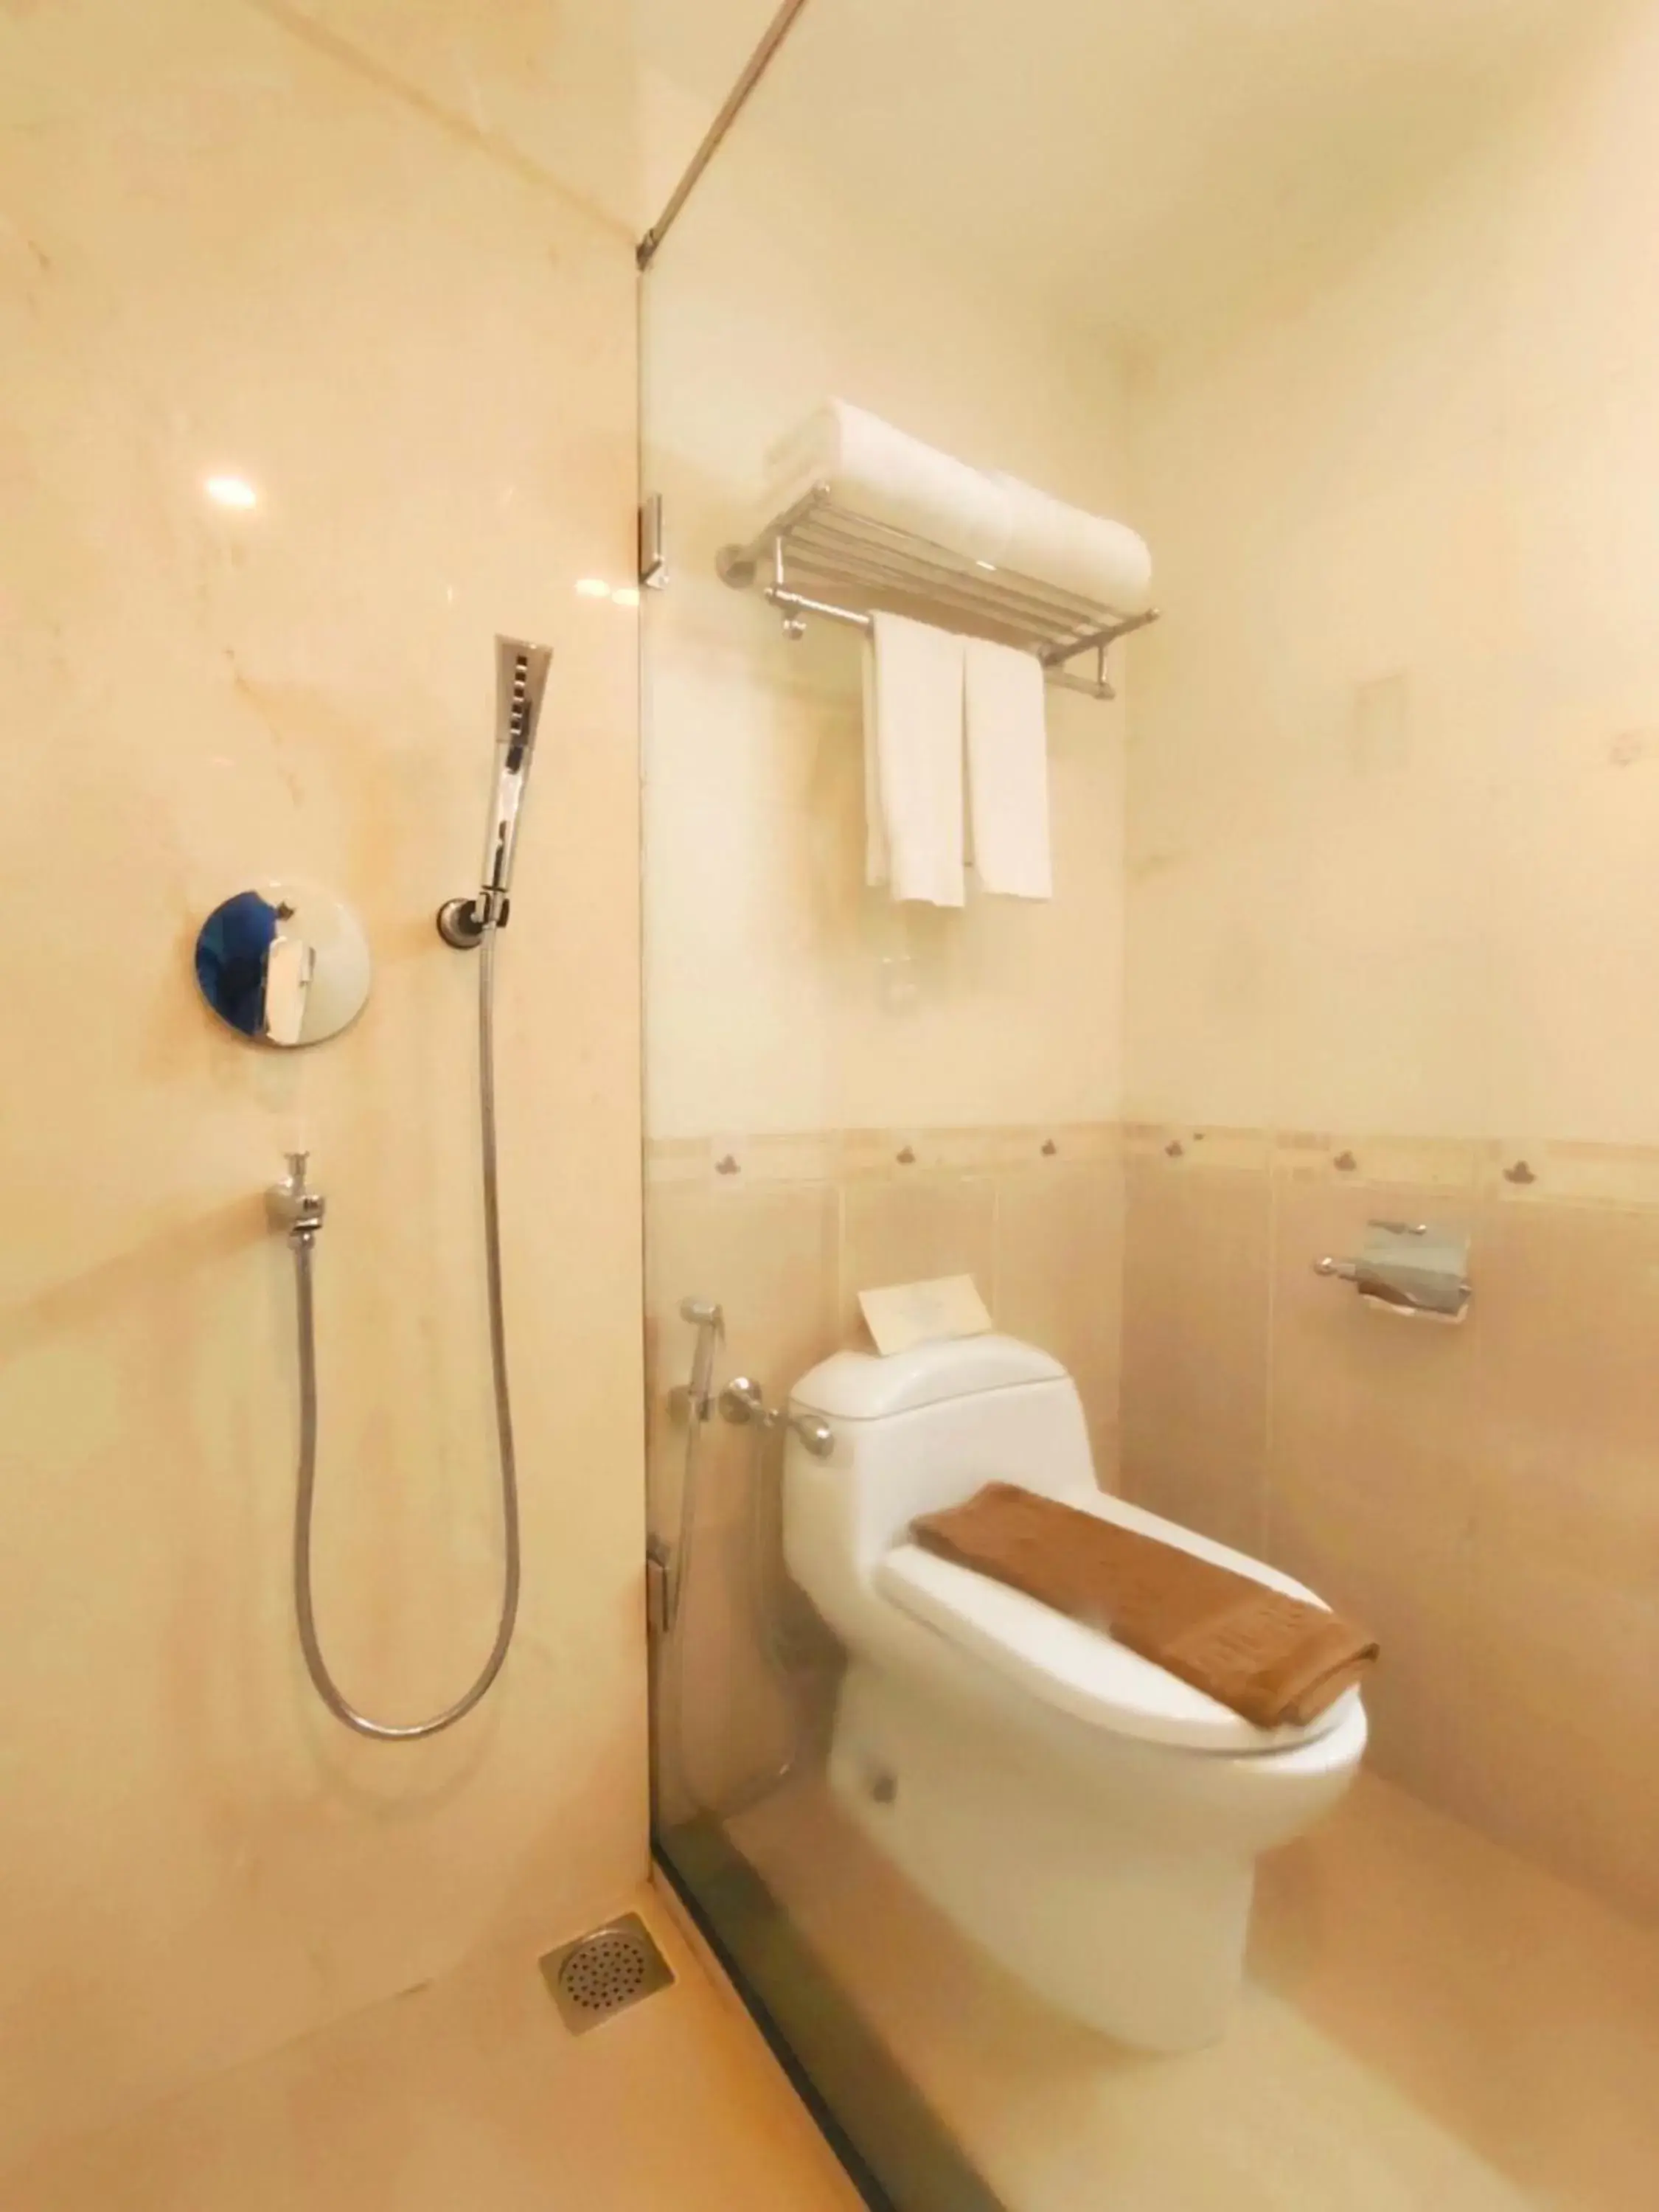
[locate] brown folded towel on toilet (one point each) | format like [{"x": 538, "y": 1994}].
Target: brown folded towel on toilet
[{"x": 1277, "y": 1660}]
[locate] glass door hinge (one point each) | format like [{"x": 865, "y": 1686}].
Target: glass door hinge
[{"x": 654, "y": 559}]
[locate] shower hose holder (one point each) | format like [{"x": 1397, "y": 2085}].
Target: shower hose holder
[
  {"x": 292, "y": 1207},
  {"x": 462, "y": 922}
]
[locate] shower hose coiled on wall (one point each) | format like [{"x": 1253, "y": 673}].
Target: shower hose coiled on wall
[{"x": 302, "y": 1239}]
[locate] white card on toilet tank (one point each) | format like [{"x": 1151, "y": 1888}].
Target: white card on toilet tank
[{"x": 906, "y": 1314}]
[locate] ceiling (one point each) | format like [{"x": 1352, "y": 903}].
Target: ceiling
[{"x": 1138, "y": 165}]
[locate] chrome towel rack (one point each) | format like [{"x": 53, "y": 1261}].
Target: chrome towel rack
[{"x": 818, "y": 547}]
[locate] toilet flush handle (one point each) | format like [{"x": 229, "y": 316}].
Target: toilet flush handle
[{"x": 818, "y": 1438}]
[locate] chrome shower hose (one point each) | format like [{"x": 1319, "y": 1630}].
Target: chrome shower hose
[{"x": 302, "y": 1240}]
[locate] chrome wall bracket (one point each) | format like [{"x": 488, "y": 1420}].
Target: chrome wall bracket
[
  {"x": 743, "y": 1401},
  {"x": 462, "y": 922},
  {"x": 654, "y": 548},
  {"x": 658, "y": 1570},
  {"x": 292, "y": 1207},
  {"x": 753, "y": 70}
]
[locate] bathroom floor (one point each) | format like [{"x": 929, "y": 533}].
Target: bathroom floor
[
  {"x": 469, "y": 2093},
  {"x": 1429, "y": 2020}
]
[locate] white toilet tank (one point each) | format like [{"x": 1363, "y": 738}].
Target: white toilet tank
[{"x": 918, "y": 1430}]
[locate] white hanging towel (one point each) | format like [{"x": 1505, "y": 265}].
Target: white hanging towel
[
  {"x": 1007, "y": 770},
  {"x": 913, "y": 728}
]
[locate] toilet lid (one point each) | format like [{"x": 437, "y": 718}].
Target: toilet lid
[{"x": 1080, "y": 1670}]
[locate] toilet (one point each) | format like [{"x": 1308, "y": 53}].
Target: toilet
[{"x": 1086, "y": 1818}]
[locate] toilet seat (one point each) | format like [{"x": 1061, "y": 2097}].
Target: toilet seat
[{"x": 1080, "y": 1670}]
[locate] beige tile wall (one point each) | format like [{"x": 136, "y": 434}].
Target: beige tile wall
[
  {"x": 1487, "y": 1497},
  {"x": 785, "y": 1231},
  {"x": 1195, "y": 1327},
  {"x": 1483, "y": 1495}
]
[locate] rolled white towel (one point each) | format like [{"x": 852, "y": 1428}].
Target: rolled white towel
[
  {"x": 1074, "y": 551},
  {"x": 876, "y": 471}
]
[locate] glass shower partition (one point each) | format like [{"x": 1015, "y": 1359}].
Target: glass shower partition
[
  {"x": 840, "y": 1093},
  {"x": 1350, "y": 931}
]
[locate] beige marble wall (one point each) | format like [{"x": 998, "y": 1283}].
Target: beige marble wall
[
  {"x": 1393, "y": 808},
  {"x": 359, "y": 262},
  {"x": 1483, "y": 1495},
  {"x": 1394, "y": 778},
  {"x": 785, "y": 1231}
]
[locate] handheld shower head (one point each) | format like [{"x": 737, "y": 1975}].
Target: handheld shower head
[
  {"x": 520, "y": 685},
  {"x": 521, "y": 680},
  {"x": 521, "y": 670}
]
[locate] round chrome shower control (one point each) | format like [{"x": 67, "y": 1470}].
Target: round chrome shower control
[{"x": 284, "y": 962}]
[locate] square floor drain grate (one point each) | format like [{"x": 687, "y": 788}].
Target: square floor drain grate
[{"x": 604, "y": 1972}]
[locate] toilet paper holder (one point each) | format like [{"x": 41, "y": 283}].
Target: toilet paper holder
[{"x": 1409, "y": 1267}]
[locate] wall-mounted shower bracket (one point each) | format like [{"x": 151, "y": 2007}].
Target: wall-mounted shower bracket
[
  {"x": 462, "y": 921},
  {"x": 292, "y": 1207}
]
